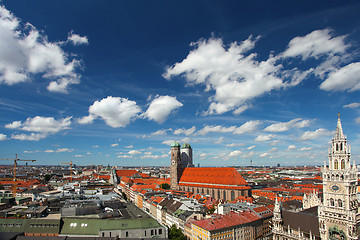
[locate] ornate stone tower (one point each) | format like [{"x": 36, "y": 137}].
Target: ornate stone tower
[
  {"x": 338, "y": 213},
  {"x": 186, "y": 156},
  {"x": 277, "y": 220},
  {"x": 175, "y": 168}
]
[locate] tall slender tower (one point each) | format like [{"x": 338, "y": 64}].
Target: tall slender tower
[
  {"x": 338, "y": 213},
  {"x": 175, "y": 168}
]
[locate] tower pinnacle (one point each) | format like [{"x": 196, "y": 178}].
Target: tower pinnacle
[{"x": 339, "y": 132}]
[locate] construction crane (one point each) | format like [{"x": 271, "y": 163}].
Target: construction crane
[
  {"x": 71, "y": 163},
  {"x": 15, "y": 166}
]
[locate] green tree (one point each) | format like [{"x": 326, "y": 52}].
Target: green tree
[
  {"x": 175, "y": 233},
  {"x": 47, "y": 177},
  {"x": 165, "y": 186}
]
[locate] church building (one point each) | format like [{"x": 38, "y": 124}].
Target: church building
[
  {"x": 217, "y": 182},
  {"x": 337, "y": 216}
]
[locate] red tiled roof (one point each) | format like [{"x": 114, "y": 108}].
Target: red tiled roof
[
  {"x": 127, "y": 173},
  {"x": 212, "y": 175},
  {"x": 225, "y": 221}
]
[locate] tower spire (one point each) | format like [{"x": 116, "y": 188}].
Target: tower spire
[{"x": 339, "y": 132}]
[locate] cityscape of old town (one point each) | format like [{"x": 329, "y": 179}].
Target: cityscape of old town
[{"x": 199, "y": 120}]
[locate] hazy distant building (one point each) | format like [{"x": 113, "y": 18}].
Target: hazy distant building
[{"x": 219, "y": 183}]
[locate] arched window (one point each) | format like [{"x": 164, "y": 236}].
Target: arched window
[
  {"x": 332, "y": 203},
  {"x": 337, "y": 147},
  {"x": 339, "y": 203},
  {"x": 343, "y": 164},
  {"x": 341, "y": 146},
  {"x": 336, "y": 164}
]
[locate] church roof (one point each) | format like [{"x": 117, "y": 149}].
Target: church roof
[
  {"x": 226, "y": 177},
  {"x": 339, "y": 135}
]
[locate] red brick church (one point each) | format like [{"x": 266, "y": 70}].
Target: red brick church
[{"x": 217, "y": 182}]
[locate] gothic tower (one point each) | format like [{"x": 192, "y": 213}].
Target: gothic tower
[
  {"x": 175, "y": 168},
  {"x": 338, "y": 213}
]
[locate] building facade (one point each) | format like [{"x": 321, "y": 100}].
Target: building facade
[
  {"x": 337, "y": 215},
  {"x": 219, "y": 183},
  {"x": 339, "y": 211}
]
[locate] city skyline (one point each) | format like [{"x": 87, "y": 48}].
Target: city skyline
[{"x": 117, "y": 83}]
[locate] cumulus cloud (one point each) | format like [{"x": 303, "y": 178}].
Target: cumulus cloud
[
  {"x": 40, "y": 127},
  {"x": 2, "y": 137},
  {"x": 219, "y": 140},
  {"x": 134, "y": 152},
  {"x": 264, "y": 155},
  {"x": 251, "y": 147},
  {"x": 305, "y": 148},
  {"x": 115, "y": 111},
  {"x": 41, "y": 124},
  {"x": 59, "y": 150},
  {"x": 247, "y": 127},
  {"x": 235, "y": 145},
  {"x": 262, "y": 138},
  {"x": 161, "y": 107},
  {"x": 30, "y": 137},
  {"x": 187, "y": 132},
  {"x": 217, "y": 129},
  {"x": 316, "y": 44},
  {"x": 114, "y": 145},
  {"x": 285, "y": 126},
  {"x": 25, "y": 51},
  {"x": 345, "y": 78},
  {"x": 130, "y": 146},
  {"x": 168, "y": 142},
  {"x": 352, "y": 105},
  {"x": 235, "y": 153},
  {"x": 291, "y": 148},
  {"x": 309, "y": 135},
  {"x": 76, "y": 39},
  {"x": 230, "y": 72}
]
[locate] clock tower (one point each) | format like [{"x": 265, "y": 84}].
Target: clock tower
[{"x": 338, "y": 213}]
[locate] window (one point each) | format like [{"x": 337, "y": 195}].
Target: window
[
  {"x": 127, "y": 234},
  {"x": 343, "y": 164},
  {"x": 160, "y": 231},
  {"x": 336, "y": 164},
  {"x": 332, "y": 202},
  {"x": 152, "y": 232},
  {"x": 339, "y": 203}
]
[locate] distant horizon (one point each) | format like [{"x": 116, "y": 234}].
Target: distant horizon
[{"x": 236, "y": 80}]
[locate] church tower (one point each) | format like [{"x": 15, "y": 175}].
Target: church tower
[
  {"x": 175, "y": 168},
  {"x": 338, "y": 213}
]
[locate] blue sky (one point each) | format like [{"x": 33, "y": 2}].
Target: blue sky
[{"x": 116, "y": 82}]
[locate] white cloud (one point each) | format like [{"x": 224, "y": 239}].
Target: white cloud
[
  {"x": 219, "y": 140},
  {"x": 203, "y": 156},
  {"x": 235, "y": 153},
  {"x": 125, "y": 156},
  {"x": 59, "y": 150},
  {"x": 262, "y": 138},
  {"x": 309, "y": 135},
  {"x": 77, "y": 39},
  {"x": 134, "y": 152},
  {"x": 79, "y": 156},
  {"x": 285, "y": 126},
  {"x": 160, "y": 132},
  {"x": 217, "y": 129},
  {"x": 161, "y": 107},
  {"x": 25, "y": 51},
  {"x": 247, "y": 127},
  {"x": 95, "y": 146},
  {"x": 114, "y": 145},
  {"x": 235, "y": 145},
  {"x": 130, "y": 146},
  {"x": 357, "y": 120},
  {"x": 352, "y": 105},
  {"x": 291, "y": 148},
  {"x": 41, "y": 124},
  {"x": 345, "y": 78},
  {"x": 13, "y": 125},
  {"x": 316, "y": 44},
  {"x": 115, "y": 111},
  {"x": 233, "y": 75},
  {"x": 3, "y": 137},
  {"x": 168, "y": 142},
  {"x": 187, "y": 132},
  {"x": 251, "y": 147},
  {"x": 264, "y": 155},
  {"x": 305, "y": 149},
  {"x": 31, "y": 137}
]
